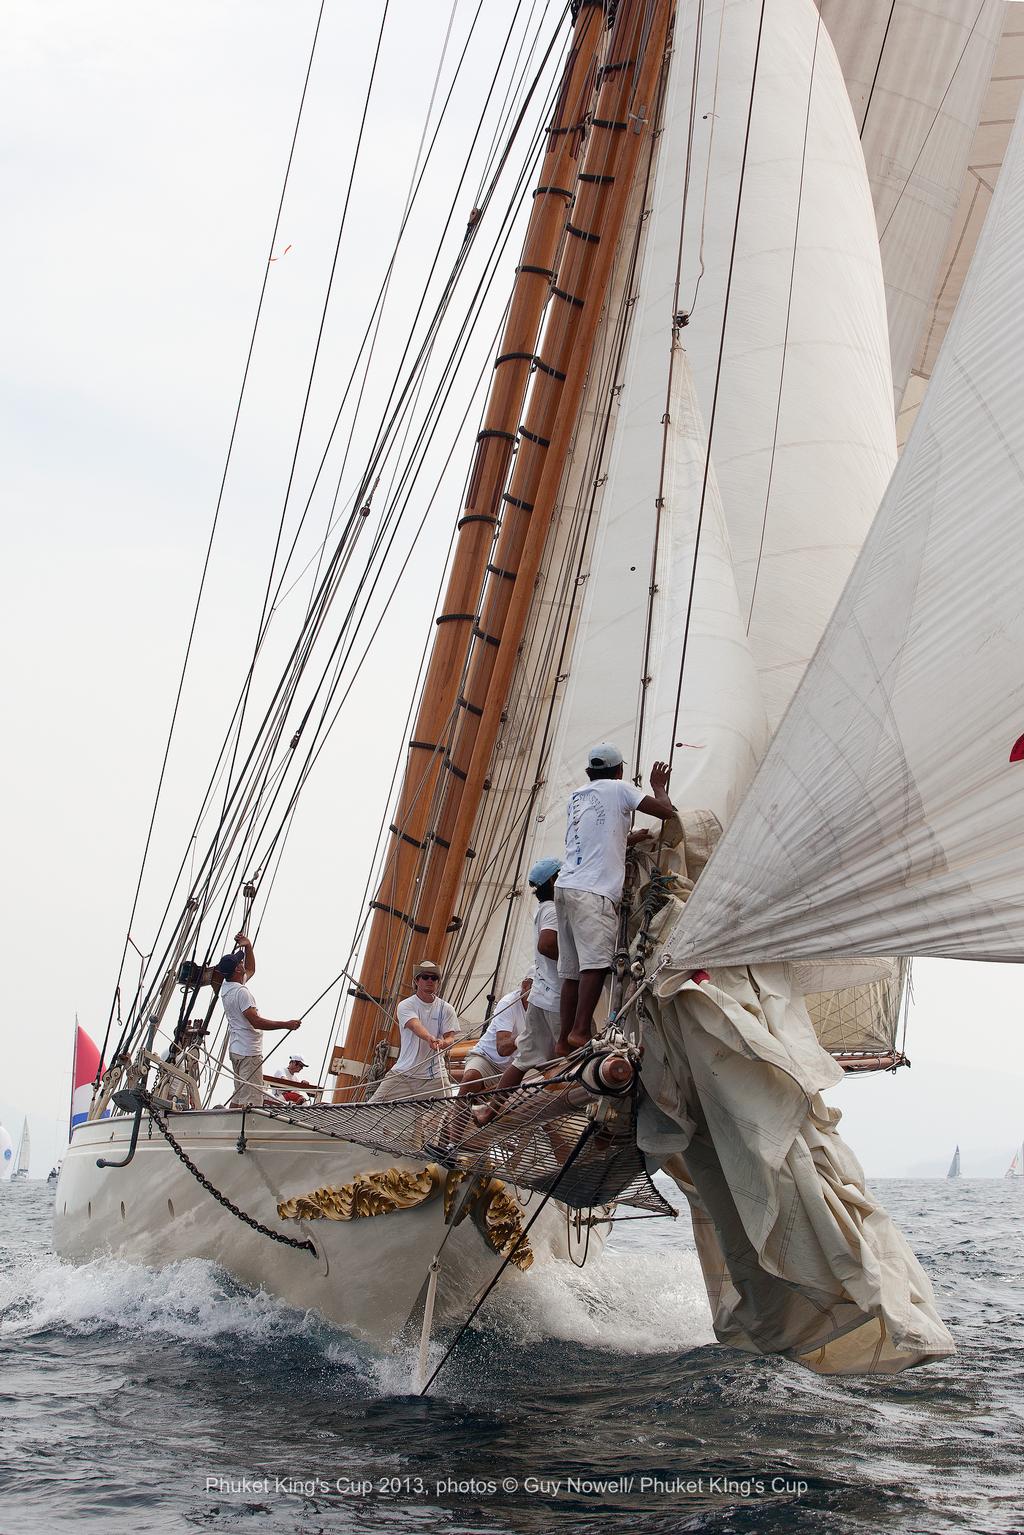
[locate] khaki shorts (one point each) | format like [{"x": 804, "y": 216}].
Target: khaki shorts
[
  {"x": 485, "y": 1066},
  {"x": 248, "y": 1070},
  {"x": 588, "y": 931},
  {"x": 408, "y": 1084},
  {"x": 537, "y": 1038}
]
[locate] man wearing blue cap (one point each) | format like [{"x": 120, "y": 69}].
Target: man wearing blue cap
[
  {"x": 537, "y": 1039},
  {"x": 245, "y": 1024},
  {"x": 589, "y": 887}
]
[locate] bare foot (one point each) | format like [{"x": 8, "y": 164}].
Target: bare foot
[{"x": 577, "y": 1041}]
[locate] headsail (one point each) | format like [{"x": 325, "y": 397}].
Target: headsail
[
  {"x": 888, "y": 815},
  {"x": 917, "y": 78},
  {"x": 954, "y": 1166}
]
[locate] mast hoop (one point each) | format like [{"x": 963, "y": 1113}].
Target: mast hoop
[
  {"x": 582, "y": 234},
  {"x": 454, "y": 618},
  {"x": 551, "y": 372},
  {"x": 542, "y": 442},
  {"x": 489, "y": 639},
  {"x": 400, "y": 916},
  {"x": 570, "y": 298}
]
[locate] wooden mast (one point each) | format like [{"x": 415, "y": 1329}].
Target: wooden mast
[
  {"x": 394, "y": 921},
  {"x": 621, "y": 118}
]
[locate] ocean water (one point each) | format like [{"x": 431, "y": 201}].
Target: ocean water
[{"x": 180, "y": 1401}]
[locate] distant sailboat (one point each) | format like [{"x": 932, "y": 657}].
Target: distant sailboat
[
  {"x": 954, "y": 1166},
  {"x": 24, "y": 1153},
  {"x": 1016, "y": 1167}
]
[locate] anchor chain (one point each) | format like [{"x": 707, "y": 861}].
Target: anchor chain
[{"x": 222, "y": 1199}]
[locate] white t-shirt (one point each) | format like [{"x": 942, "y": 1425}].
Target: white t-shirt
[
  {"x": 243, "y": 1039},
  {"x": 547, "y": 988},
  {"x": 438, "y": 1017},
  {"x": 597, "y": 826},
  {"x": 508, "y": 1018}
]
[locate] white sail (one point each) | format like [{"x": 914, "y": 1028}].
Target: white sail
[
  {"x": 790, "y": 352},
  {"x": 984, "y": 162},
  {"x": 834, "y": 428},
  {"x": 24, "y": 1152},
  {"x": 888, "y": 815},
  {"x": 917, "y": 77},
  {"x": 954, "y": 1166}
]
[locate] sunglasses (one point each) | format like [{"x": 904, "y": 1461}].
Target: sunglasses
[{"x": 434, "y": 978}]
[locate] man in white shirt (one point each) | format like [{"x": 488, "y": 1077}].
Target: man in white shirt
[
  {"x": 245, "y": 1024},
  {"x": 427, "y": 1025},
  {"x": 296, "y": 1065},
  {"x": 498, "y": 1041},
  {"x": 589, "y": 886}
]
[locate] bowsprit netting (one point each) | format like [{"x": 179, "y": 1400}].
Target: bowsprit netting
[{"x": 528, "y": 1144}]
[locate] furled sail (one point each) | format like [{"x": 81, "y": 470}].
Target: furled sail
[
  {"x": 888, "y": 814},
  {"x": 917, "y": 77}
]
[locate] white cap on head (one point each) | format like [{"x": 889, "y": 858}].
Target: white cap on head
[
  {"x": 300, "y": 1058},
  {"x": 604, "y": 755}
]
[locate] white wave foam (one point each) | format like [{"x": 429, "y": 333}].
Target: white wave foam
[
  {"x": 626, "y": 1300},
  {"x": 190, "y": 1300}
]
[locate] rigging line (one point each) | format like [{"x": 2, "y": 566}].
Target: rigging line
[
  {"x": 216, "y": 514},
  {"x": 659, "y": 499},
  {"x": 785, "y": 337},
  {"x": 569, "y": 579},
  {"x": 442, "y": 303},
  {"x": 514, "y": 85},
  {"x": 437, "y": 486},
  {"x": 309, "y": 386},
  {"x": 718, "y": 380},
  {"x": 935, "y": 118},
  {"x": 399, "y": 577},
  {"x": 874, "y": 78},
  {"x": 713, "y": 119},
  {"x": 379, "y": 311},
  {"x": 585, "y": 1135},
  {"x": 568, "y": 582},
  {"x": 326, "y": 306},
  {"x": 296, "y": 650}
]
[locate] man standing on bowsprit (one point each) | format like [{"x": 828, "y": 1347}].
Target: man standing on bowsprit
[{"x": 589, "y": 886}]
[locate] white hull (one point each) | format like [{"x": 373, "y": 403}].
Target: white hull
[{"x": 366, "y": 1274}]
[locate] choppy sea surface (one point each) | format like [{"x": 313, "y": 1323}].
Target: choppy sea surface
[{"x": 178, "y": 1400}]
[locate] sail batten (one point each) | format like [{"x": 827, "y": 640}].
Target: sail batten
[{"x": 888, "y": 815}]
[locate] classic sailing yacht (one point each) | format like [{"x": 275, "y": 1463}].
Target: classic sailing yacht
[
  {"x": 1016, "y": 1167},
  {"x": 688, "y": 432}
]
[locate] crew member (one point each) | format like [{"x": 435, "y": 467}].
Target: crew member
[
  {"x": 296, "y": 1065},
  {"x": 589, "y": 887},
  {"x": 538, "y": 1040},
  {"x": 245, "y": 1024},
  {"x": 498, "y": 1040},
  {"x": 427, "y": 1025}
]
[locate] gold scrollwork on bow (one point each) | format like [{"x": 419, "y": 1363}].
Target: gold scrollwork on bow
[
  {"x": 496, "y": 1214},
  {"x": 368, "y": 1194}
]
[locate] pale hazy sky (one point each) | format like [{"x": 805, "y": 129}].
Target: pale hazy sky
[{"x": 143, "y": 151}]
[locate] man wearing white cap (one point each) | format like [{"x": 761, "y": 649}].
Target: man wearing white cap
[
  {"x": 427, "y": 1026},
  {"x": 296, "y": 1065},
  {"x": 589, "y": 886}
]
